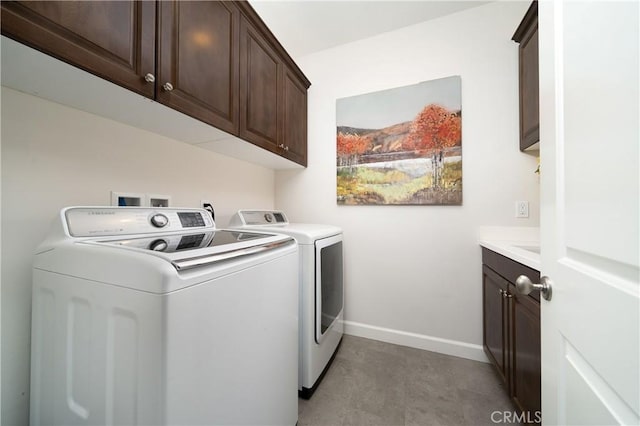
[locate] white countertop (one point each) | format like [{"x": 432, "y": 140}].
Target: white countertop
[{"x": 519, "y": 244}]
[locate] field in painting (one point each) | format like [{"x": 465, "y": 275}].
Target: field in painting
[{"x": 402, "y": 181}]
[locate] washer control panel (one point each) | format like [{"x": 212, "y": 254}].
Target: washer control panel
[{"x": 111, "y": 221}]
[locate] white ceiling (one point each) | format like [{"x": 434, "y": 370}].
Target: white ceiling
[{"x": 307, "y": 26}]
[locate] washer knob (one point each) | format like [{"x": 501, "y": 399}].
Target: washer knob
[
  {"x": 158, "y": 245},
  {"x": 159, "y": 220},
  {"x": 267, "y": 217}
]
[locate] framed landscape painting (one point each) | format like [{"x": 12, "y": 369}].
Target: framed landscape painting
[{"x": 401, "y": 146}]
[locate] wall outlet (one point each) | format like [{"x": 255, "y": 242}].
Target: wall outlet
[{"x": 522, "y": 209}]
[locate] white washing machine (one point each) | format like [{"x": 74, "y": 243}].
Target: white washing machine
[
  {"x": 321, "y": 289},
  {"x": 154, "y": 317}
]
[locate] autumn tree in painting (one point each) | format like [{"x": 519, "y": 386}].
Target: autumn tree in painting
[
  {"x": 434, "y": 129},
  {"x": 349, "y": 147}
]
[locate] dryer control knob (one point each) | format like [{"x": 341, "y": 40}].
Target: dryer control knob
[
  {"x": 159, "y": 220},
  {"x": 158, "y": 245}
]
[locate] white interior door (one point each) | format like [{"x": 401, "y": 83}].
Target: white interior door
[{"x": 589, "y": 142}]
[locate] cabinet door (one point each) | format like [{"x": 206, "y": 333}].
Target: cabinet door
[
  {"x": 260, "y": 90},
  {"x": 198, "y": 58},
  {"x": 495, "y": 321},
  {"x": 525, "y": 341},
  {"x": 114, "y": 40},
  {"x": 295, "y": 119},
  {"x": 529, "y": 93},
  {"x": 527, "y": 36}
]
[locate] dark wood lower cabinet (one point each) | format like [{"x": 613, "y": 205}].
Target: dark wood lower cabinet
[
  {"x": 495, "y": 326},
  {"x": 511, "y": 329},
  {"x": 525, "y": 344}
]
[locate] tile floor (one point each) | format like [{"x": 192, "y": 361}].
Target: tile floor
[{"x": 375, "y": 383}]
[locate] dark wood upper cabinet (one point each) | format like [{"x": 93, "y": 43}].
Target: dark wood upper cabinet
[
  {"x": 527, "y": 36},
  {"x": 260, "y": 89},
  {"x": 198, "y": 59},
  {"x": 511, "y": 329},
  {"x": 215, "y": 61},
  {"x": 295, "y": 118},
  {"x": 273, "y": 94},
  {"x": 114, "y": 40}
]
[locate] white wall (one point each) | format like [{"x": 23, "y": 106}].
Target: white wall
[
  {"x": 54, "y": 156},
  {"x": 413, "y": 273}
]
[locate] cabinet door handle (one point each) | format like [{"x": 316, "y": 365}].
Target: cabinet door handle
[
  {"x": 525, "y": 286},
  {"x": 167, "y": 87},
  {"x": 286, "y": 148},
  {"x": 281, "y": 146},
  {"x": 149, "y": 78}
]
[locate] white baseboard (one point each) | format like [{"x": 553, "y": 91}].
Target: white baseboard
[{"x": 418, "y": 341}]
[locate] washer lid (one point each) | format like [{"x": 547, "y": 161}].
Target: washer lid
[{"x": 190, "y": 250}]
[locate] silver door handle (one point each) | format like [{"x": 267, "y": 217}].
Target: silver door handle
[{"x": 525, "y": 286}]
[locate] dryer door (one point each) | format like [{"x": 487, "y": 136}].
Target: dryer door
[{"x": 328, "y": 284}]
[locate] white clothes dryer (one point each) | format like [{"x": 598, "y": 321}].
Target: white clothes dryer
[
  {"x": 321, "y": 289},
  {"x": 148, "y": 316}
]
